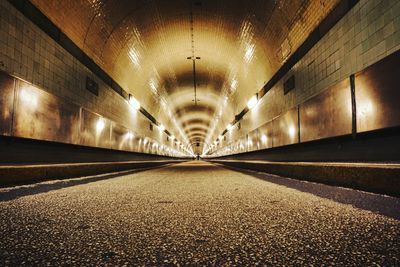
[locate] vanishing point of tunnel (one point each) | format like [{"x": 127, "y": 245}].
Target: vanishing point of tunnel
[{"x": 199, "y": 133}]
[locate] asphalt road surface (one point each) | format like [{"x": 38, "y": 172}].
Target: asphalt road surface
[{"x": 196, "y": 214}]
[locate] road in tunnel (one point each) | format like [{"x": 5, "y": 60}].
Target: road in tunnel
[{"x": 195, "y": 213}]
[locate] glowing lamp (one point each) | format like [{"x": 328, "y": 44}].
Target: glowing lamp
[
  {"x": 100, "y": 125},
  {"x": 263, "y": 138},
  {"x": 133, "y": 102},
  {"x": 252, "y": 102}
]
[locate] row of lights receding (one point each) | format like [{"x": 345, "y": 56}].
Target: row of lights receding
[
  {"x": 31, "y": 99},
  {"x": 101, "y": 124},
  {"x": 253, "y": 101},
  {"x": 136, "y": 105}
]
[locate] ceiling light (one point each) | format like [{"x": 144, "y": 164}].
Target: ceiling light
[
  {"x": 252, "y": 102},
  {"x": 172, "y": 137},
  {"x": 133, "y": 102},
  {"x": 229, "y": 127},
  {"x": 161, "y": 127}
]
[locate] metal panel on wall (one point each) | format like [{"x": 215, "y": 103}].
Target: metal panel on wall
[
  {"x": 122, "y": 138},
  {"x": 286, "y": 128},
  {"x": 266, "y": 135},
  {"x": 43, "y": 116},
  {"x": 7, "y": 86},
  {"x": 378, "y": 95},
  {"x": 253, "y": 141},
  {"x": 243, "y": 144},
  {"x": 327, "y": 114},
  {"x": 95, "y": 130}
]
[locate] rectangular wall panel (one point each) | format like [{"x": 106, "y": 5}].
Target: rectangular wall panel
[
  {"x": 327, "y": 114},
  {"x": 121, "y": 138},
  {"x": 265, "y": 134},
  {"x": 95, "y": 130},
  {"x": 378, "y": 95},
  {"x": 253, "y": 141},
  {"x": 7, "y": 84},
  {"x": 43, "y": 116},
  {"x": 286, "y": 128}
]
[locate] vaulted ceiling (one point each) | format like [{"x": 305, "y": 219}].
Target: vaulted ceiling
[{"x": 150, "y": 47}]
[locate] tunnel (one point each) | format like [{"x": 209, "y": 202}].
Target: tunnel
[{"x": 199, "y": 133}]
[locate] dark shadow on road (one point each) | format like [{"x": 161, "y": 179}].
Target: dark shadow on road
[
  {"x": 380, "y": 204},
  {"x": 10, "y": 193}
]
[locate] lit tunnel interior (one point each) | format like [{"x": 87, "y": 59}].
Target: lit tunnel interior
[
  {"x": 199, "y": 132},
  {"x": 255, "y": 80},
  {"x": 193, "y": 65}
]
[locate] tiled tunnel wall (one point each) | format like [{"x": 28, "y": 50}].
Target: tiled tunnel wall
[
  {"x": 30, "y": 54},
  {"x": 369, "y": 32}
]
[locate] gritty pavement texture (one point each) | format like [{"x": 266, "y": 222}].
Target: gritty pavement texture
[{"x": 195, "y": 214}]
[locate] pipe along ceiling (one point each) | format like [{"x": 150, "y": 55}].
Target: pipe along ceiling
[{"x": 195, "y": 64}]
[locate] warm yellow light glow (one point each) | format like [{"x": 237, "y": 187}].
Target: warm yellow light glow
[
  {"x": 264, "y": 138},
  {"x": 100, "y": 125},
  {"x": 134, "y": 56},
  {"x": 292, "y": 131},
  {"x": 220, "y": 138},
  {"x": 29, "y": 98},
  {"x": 252, "y": 102},
  {"x": 367, "y": 107},
  {"x": 161, "y": 127},
  {"x": 129, "y": 135},
  {"x": 249, "y": 52},
  {"x": 133, "y": 102},
  {"x": 229, "y": 127},
  {"x": 172, "y": 137}
]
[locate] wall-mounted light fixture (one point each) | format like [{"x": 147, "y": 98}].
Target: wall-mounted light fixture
[
  {"x": 252, "y": 101},
  {"x": 129, "y": 135},
  {"x": 134, "y": 102},
  {"x": 264, "y": 138},
  {"x": 292, "y": 130},
  {"x": 29, "y": 98},
  {"x": 100, "y": 125}
]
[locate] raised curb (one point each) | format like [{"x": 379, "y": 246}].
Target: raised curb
[
  {"x": 377, "y": 178},
  {"x": 19, "y": 174}
]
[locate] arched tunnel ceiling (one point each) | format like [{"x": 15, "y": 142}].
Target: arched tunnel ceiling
[{"x": 144, "y": 45}]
